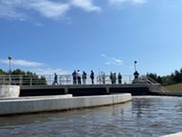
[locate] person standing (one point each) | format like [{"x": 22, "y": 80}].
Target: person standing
[
  {"x": 78, "y": 77},
  {"x": 84, "y": 77},
  {"x": 74, "y": 77},
  {"x": 55, "y": 79},
  {"x": 92, "y": 76},
  {"x": 103, "y": 77},
  {"x": 119, "y": 78},
  {"x": 136, "y": 75},
  {"x": 112, "y": 78}
]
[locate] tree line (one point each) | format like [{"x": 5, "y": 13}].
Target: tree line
[
  {"x": 174, "y": 78},
  {"x": 27, "y": 77}
]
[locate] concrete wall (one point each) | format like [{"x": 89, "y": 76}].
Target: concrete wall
[
  {"x": 84, "y": 90},
  {"x": 9, "y": 91},
  {"x": 18, "y": 106}
]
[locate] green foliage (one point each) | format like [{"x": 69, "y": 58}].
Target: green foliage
[
  {"x": 18, "y": 72},
  {"x": 174, "y": 78},
  {"x": 2, "y": 72},
  {"x": 25, "y": 78},
  {"x": 155, "y": 77}
]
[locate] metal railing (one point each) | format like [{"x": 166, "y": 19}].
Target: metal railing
[
  {"x": 151, "y": 82},
  {"x": 148, "y": 80},
  {"x": 61, "y": 79}
]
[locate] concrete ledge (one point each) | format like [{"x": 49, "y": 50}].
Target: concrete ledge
[
  {"x": 9, "y": 91},
  {"x": 173, "y": 93},
  {"x": 174, "y": 135},
  {"x": 32, "y": 105},
  {"x": 39, "y": 97}
]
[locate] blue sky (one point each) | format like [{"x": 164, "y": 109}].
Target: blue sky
[{"x": 47, "y": 36}]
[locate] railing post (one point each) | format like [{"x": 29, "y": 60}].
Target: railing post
[
  {"x": 9, "y": 78},
  {"x": 130, "y": 79},
  {"x": 3, "y": 79},
  {"x": 67, "y": 79},
  {"x": 20, "y": 79},
  {"x": 30, "y": 80}
]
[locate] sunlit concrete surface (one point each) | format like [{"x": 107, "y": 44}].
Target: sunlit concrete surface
[
  {"x": 9, "y": 91},
  {"x": 39, "y": 97},
  {"x": 32, "y": 105}
]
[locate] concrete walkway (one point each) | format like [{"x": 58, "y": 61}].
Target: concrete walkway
[{"x": 25, "y": 105}]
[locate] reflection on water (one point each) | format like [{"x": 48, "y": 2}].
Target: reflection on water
[{"x": 143, "y": 117}]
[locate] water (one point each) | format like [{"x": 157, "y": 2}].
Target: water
[{"x": 142, "y": 117}]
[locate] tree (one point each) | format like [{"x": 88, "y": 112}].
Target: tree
[
  {"x": 177, "y": 77},
  {"x": 155, "y": 77},
  {"x": 167, "y": 80},
  {"x": 2, "y": 72},
  {"x": 174, "y": 78},
  {"x": 25, "y": 78},
  {"x": 152, "y": 75},
  {"x": 159, "y": 79}
]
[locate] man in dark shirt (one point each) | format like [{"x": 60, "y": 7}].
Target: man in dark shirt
[{"x": 55, "y": 79}]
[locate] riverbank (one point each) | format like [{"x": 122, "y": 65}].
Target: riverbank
[
  {"x": 174, "y": 87},
  {"x": 174, "y": 90}
]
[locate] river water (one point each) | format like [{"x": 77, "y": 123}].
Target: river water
[{"x": 146, "y": 116}]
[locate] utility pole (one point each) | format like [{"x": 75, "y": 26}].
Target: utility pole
[{"x": 135, "y": 62}]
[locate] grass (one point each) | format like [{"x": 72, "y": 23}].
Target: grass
[{"x": 175, "y": 87}]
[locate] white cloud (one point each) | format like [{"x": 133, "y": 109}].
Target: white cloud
[
  {"x": 49, "y": 9},
  {"x": 112, "y": 61},
  {"x": 116, "y": 1},
  {"x": 38, "y": 68},
  {"x": 8, "y": 10},
  {"x": 26, "y": 63},
  {"x": 139, "y": 1},
  {"x": 22, "y": 9},
  {"x": 20, "y": 62},
  {"x": 50, "y": 71},
  {"x": 86, "y": 5},
  {"x": 119, "y": 2}
]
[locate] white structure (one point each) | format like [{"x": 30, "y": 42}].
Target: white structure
[
  {"x": 56, "y": 103},
  {"x": 9, "y": 91}
]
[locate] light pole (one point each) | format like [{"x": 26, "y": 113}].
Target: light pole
[
  {"x": 9, "y": 58},
  {"x": 135, "y": 62}
]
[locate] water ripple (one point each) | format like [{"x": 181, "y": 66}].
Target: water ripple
[{"x": 143, "y": 117}]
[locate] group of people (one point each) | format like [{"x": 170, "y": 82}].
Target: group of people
[
  {"x": 77, "y": 76},
  {"x": 113, "y": 78},
  {"x": 80, "y": 78}
]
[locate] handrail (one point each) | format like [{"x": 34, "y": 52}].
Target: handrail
[
  {"x": 148, "y": 80},
  {"x": 61, "y": 79},
  {"x": 151, "y": 82}
]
